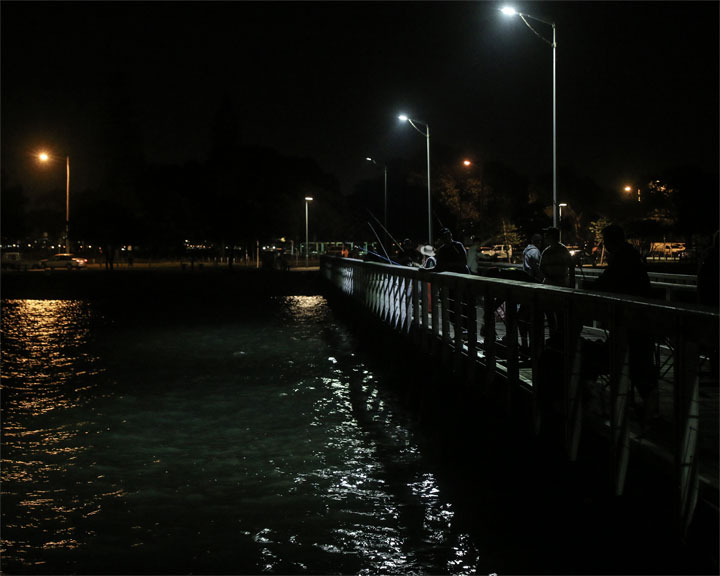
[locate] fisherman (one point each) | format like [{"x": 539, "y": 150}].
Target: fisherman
[
  {"x": 409, "y": 255},
  {"x": 451, "y": 254}
]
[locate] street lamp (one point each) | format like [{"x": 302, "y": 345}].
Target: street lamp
[
  {"x": 508, "y": 11},
  {"x": 45, "y": 157},
  {"x": 560, "y": 206},
  {"x": 372, "y": 160},
  {"x": 308, "y": 199},
  {"x": 629, "y": 190},
  {"x": 412, "y": 122}
]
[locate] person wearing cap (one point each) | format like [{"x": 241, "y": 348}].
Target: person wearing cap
[
  {"x": 451, "y": 255},
  {"x": 556, "y": 263}
]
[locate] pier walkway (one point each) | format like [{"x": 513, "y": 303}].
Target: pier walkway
[{"x": 580, "y": 380}]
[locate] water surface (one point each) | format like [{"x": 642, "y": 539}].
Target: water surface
[{"x": 226, "y": 438}]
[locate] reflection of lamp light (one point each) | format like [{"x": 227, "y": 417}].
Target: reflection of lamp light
[
  {"x": 308, "y": 199},
  {"x": 45, "y": 157},
  {"x": 508, "y": 11},
  {"x": 404, "y": 118}
]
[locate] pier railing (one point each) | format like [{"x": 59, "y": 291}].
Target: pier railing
[{"x": 494, "y": 334}]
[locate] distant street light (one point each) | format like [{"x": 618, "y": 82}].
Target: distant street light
[
  {"x": 308, "y": 199},
  {"x": 45, "y": 157},
  {"x": 385, "y": 220},
  {"x": 508, "y": 11},
  {"x": 629, "y": 190},
  {"x": 560, "y": 206},
  {"x": 467, "y": 163},
  {"x": 412, "y": 122}
]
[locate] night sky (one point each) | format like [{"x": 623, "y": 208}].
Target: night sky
[{"x": 637, "y": 84}]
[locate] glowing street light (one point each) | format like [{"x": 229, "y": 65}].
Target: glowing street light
[
  {"x": 426, "y": 133},
  {"x": 45, "y": 157},
  {"x": 509, "y": 11},
  {"x": 308, "y": 199},
  {"x": 467, "y": 163}
]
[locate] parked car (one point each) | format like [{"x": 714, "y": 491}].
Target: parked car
[
  {"x": 69, "y": 261},
  {"x": 497, "y": 252}
]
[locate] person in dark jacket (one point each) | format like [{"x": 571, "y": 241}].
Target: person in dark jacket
[
  {"x": 451, "y": 255},
  {"x": 625, "y": 272}
]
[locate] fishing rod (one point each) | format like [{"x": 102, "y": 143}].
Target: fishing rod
[
  {"x": 385, "y": 229},
  {"x": 381, "y": 244}
]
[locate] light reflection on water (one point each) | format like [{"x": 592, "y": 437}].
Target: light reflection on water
[{"x": 240, "y": 442}]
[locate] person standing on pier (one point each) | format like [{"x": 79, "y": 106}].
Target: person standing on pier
[
  {"x": 556, "y": 263},
  {"x": 451, "y": 255},
  {"x": 558, "y": 269},
  {"x": 473, "y": 255},
  {"x": 626, "y": 274},
  {"x": 531, "y": 258}
]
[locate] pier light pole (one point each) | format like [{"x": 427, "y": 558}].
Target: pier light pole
[
  {"x": 426, "y": 133},
  {"x": 508, "y": 11},
  {"x": 308, "y": 199},
  {"x": 45, "y": 157}
]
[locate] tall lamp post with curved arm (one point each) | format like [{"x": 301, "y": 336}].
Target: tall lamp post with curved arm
[
  {"x": 508, "y": 11},
  {"x": 45, "y": 157},
  {"x": 426, "y": 133}
]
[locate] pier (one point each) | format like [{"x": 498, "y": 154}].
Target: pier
[{"x": 579, "y": 385}]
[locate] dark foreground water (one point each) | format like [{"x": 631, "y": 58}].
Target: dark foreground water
[
  {"x": 225, "y": 439},
  {"x": 254, "y": 435}
]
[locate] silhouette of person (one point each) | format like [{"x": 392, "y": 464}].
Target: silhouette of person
[
  {"x": 473, "y": 255},
  {"x": 558, "y": 269},
  {"x": 626, "y": 274},
  {"x": 556, "y": 263},
  {"x": 451, "y": 254},
  {"x": 409, "y": 255}
]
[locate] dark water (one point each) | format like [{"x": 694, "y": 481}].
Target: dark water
[
  {"x": 220, "y": 439},
  {"x": 215, "y": 436}
]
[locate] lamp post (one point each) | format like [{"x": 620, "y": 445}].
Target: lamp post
[
  {"x": 560, "y": 207},
  {"x": 308, "y": 199},
  {"x": 45, "y": 157},
  {"x": 374, "y": 163},
  {"x": 412, "y": 122},
  {"x": 512, "y": 12},
  {"x": 629, "y": 190}
]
